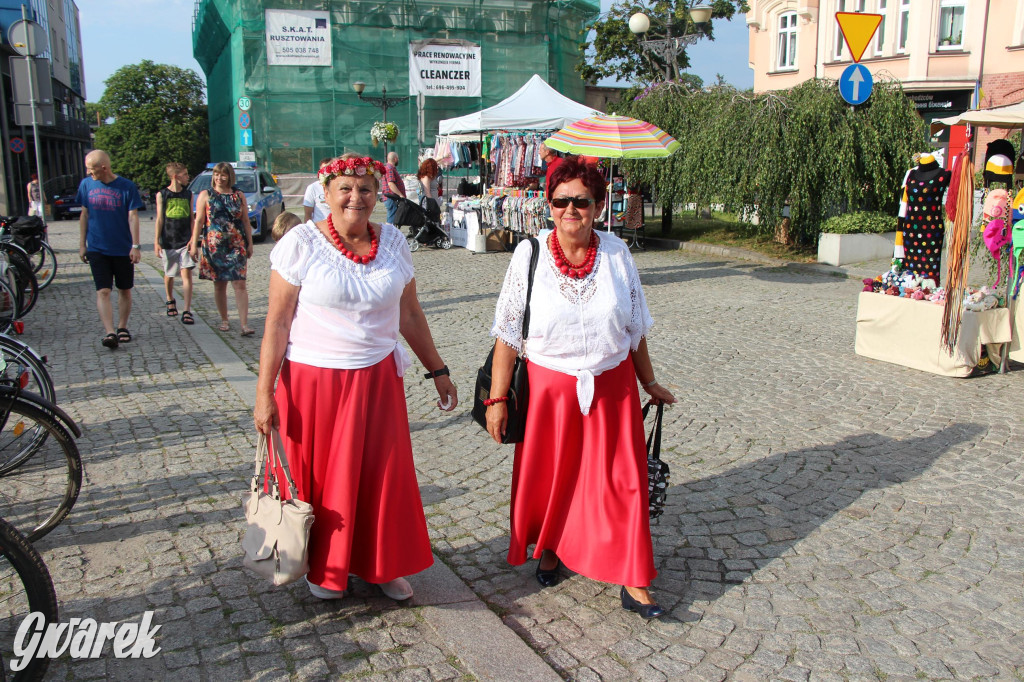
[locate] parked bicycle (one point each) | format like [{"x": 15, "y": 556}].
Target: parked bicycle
[
  {"x": 29, "y": 233},
  {"x": 25, "y": 587},
  {"x": 40, "y": 465},
  {"x": 22, "y": 366}
]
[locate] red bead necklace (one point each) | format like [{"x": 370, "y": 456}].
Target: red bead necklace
[
  {"x": 566, "y": 266},
  {"x": 336, "y": 238}
]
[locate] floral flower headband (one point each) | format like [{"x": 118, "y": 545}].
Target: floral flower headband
[{"x": 351, "y": 166}]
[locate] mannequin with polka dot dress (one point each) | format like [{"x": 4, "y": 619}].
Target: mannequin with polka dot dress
[{"x": 923, "y": 229}]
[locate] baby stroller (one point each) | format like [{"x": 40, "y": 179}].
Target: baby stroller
[{"x": 423, "y": 228}]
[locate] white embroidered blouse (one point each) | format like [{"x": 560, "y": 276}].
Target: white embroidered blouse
[
  {"x": 348, "y": 313},
  {"x": 578, "y": 327}
]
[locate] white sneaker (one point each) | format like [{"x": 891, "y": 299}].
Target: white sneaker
[
  {"x": 323, "y": 592},
  {"x": 398, "y": 589}
]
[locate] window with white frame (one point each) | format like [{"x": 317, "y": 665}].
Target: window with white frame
[
  {"x": 846, "y": 6},
  {"x": 840, "y": 7},
  {"x": 787, "y": 41},
  {"x": 1018, "y": 30},
  {"x": 880, "y": 33},
  {"x": 951, "y": 24},
  {"x": 904, "y": 25}
]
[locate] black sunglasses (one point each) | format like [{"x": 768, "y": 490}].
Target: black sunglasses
[{"x": 578, "y": 202}]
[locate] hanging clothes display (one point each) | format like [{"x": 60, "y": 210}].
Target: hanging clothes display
[
  {"x": 452, "y": 153},
  {"x": 520, "y": 211},
  {"x": 515, "y": 158},
  {"x": 924, "y": 231}
]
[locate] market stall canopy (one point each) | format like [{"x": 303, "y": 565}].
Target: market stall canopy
[
  {"x": 1009, "y": 116},
  {"x": 535, "y": 106},
  {"x": 614, "y": 137}
]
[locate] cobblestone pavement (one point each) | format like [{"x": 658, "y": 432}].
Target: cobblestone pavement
[{"x": 829, "y": 517}]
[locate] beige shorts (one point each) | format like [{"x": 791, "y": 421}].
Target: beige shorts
[{"x": 176, "y": 260}]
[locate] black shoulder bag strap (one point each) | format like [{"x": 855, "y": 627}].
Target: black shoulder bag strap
[
  {"x": 654, "y": 440},
  {"x": 534, "y": 257}
]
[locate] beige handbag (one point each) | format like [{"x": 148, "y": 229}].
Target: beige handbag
[{"x": 277, "y": 536}]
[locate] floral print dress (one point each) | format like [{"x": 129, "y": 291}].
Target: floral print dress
[{"x": 224, "y": 245}]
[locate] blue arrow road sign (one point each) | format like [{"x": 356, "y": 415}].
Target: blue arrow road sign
[
  {"x": 245, "y": 135},
  {"x": 855, "y": 84}
]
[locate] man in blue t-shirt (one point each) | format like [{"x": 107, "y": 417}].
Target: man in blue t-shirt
[{"x": 109, "y": 242}]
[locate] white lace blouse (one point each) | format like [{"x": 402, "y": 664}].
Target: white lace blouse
[
  {"x": 578, "y": 327},
  {"x": 347, "y": 314}
]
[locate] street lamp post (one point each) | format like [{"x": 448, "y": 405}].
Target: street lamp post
[
  {"x": 668, "y": 50},
  {"x": 384, "y": 102},
  {"x": 670, "y": 47}
]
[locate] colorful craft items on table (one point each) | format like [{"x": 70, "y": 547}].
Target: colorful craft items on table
[{"x": 909, "y": 285}]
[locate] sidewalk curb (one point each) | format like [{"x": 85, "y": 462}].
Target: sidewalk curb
[
  {"x": 746, "y": 254},
  {"x": 489, "y": 649}
]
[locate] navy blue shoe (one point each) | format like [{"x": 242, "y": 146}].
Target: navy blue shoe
[
  {"x": 646, "y": 611},
  {"x": 548, "y": 578}
]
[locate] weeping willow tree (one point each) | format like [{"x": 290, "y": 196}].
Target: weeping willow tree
[{"x": 803, "y": 147}]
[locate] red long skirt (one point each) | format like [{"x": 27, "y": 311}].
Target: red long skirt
[
  {"x": 346, "y": 434},
  {"x": 579, "y": 483}
]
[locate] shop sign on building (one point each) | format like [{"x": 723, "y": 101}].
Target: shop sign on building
[
  {"x": 298, "y": 37},
  {"x": 439, "y": 69}
]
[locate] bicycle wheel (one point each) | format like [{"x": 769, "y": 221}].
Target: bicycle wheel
[
  {"x": 41, "y": 477},
  {"x": 8, "y": 304},
  {"x": 25, "y": 587},
  {"x": 44, "y": 264},
  {"x": 22, "y": 365},
  {"x": 27, "y": 283}
]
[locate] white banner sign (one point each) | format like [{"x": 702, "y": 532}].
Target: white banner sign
[
  {"x": 298, "y": 37},
  {"x": 444, "y": 70}
]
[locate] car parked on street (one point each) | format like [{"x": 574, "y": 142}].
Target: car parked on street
[
  {"x": 65, "y": 205},
  {"x": 261, "y": 194}
]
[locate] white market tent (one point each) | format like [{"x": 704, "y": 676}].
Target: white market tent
[
  {"x": 1009, "y": 116},
  {"x": 535, "y": 106}
]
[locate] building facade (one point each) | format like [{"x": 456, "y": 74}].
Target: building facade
[
  {"x": 299, "y": 114},
  {"x": 63, "y": 144},
  {"x": 950, "y": 55}
]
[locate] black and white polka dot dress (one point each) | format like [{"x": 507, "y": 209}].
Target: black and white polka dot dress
[{"x": 924, "y": 230}]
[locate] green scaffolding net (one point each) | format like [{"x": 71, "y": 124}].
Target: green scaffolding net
[{"x": 300, "y": 114}]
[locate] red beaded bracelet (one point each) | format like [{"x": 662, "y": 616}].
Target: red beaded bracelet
[{"x": 495, "y": 401}]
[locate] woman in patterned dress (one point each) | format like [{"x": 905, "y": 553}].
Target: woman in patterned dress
[
  {"x": 226, "y": 244},
  {"x": 579, "y": 478}
]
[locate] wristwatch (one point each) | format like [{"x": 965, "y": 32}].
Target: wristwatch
[
  {"x": 136, "y": 246},
  {"x": 437, "y": 373}
]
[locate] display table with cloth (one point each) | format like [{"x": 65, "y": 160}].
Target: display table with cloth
[
  {"x": 1016, "y": 347},
  {"x": 909, "y": 333}
]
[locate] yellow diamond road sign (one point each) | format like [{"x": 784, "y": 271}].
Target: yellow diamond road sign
[{"x": 858, "y": 28}]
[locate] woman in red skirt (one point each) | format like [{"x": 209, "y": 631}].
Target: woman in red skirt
[
  {"x": 341, "y": 290},
  {"x": 579, "y": 478}
]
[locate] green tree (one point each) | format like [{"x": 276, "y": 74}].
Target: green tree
[
  {"x": 92, "y": 113},
  {"x": 803, "y": 147},
  {"x": 615, "y": 51},
  {"x": 159, "y": 115}
]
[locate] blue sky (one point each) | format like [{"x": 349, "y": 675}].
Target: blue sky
[{"x": 120, "y": 32}]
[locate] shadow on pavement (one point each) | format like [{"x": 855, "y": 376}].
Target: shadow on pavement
[{"x": 739, "y": 521}]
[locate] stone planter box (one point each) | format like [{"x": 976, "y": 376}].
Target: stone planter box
[{"x": 841, "y": 249}]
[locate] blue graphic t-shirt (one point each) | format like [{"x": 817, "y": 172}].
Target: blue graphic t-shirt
[{"x": 108, "y": 206}]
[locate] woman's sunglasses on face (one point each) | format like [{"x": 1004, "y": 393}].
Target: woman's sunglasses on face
[{"x": 578, "y": 202}]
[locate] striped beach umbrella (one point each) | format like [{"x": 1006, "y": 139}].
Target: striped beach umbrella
[{"x": 614, "y": 137}]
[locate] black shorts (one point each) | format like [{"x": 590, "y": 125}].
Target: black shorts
[{"x": 108, "y": 270}]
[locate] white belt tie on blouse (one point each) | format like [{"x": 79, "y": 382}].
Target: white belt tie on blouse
[
  {"x": 402, "y": 359},
  {"x": 585, "y": 389}
]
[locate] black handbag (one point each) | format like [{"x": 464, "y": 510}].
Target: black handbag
[
  {"x": 657, "y": 470},
  {"x": 519, "y": 388}
]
